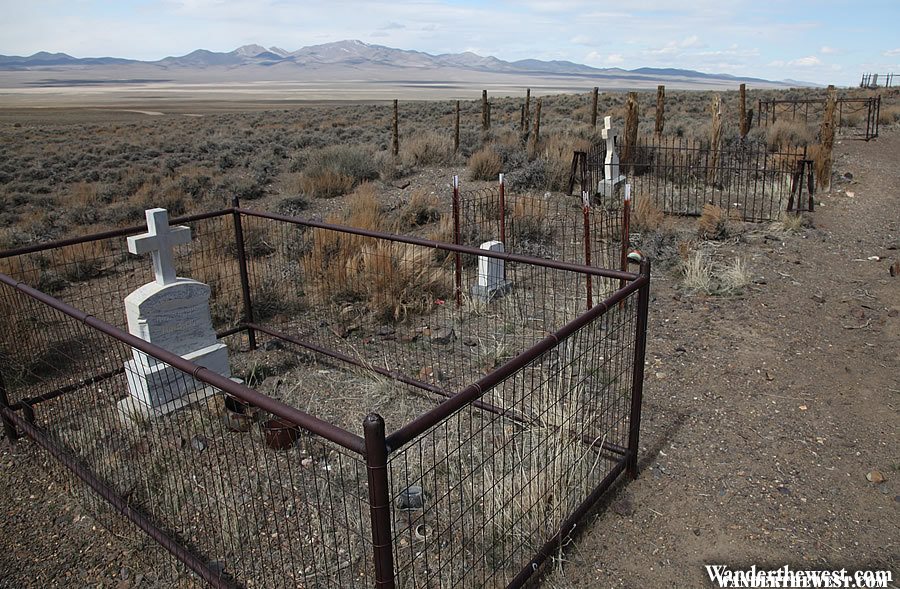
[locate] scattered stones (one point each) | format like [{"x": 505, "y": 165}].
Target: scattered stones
[
  {"x": 384, "y": 331},
  {"x": 895, "y": 269},
  {"x": 443, "y": 336},
  {"x": 875, "y": 477},
  {"x": 272, "y": 345},
  {"x": 818, "y": 298},
  {"x": 198, "y": 443},
  {"x": 307, "y": 462}
]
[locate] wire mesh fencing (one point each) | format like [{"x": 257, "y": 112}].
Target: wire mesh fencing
[
  {"x": 856, "y": 117},
  {"x": 510, "y": 386},
  {"x": 680, "y": 176},
  {"x": 553, "y": 227}
]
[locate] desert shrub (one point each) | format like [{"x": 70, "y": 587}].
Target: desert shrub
[
  {"x": 422, "y": 209},
  {"x": 291, "y": 205},
  {"x": 788, "y": 134},
  {"x": 529, "y": 175},
  {"x": 716, "y": 223},
  {"x": 645, "y": 216},
  {"x": 394, "y": 280},
  {"x": 336, "y": 170},
  {"x": 530, "y": 221},
  {"x": 427, "y": 149},
  {"x": 556, "y": 152},
  {"x": 485, "y": 164}
]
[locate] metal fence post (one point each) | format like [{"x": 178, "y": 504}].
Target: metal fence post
[
  {"x": 637, "y": 378},
  {"x": 503, "y": 212},
  {"x": 242, "y": 265},
  {"x": 456, "y": 241},
  {"x": 11, "y": 434},
  {"x": 379, "y": 501}
]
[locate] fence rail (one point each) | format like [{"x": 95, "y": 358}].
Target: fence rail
[{"x": 499, "y": 439}]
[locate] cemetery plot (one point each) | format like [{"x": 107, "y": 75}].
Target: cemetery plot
[{"x": 511, "y": 394}]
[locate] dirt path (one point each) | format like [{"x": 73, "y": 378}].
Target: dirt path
[{"x": 763, "y": 415}]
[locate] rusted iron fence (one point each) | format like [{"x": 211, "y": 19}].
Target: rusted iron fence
[
  {"x": 856, "y": 117},
  {"x": 552, "y": 227},
  {"x": 507, "y": 416},
  {"x": 681, "y": 176}
]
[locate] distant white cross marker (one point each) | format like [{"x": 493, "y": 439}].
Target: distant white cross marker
[
  {"x": 609, "y": 135},
  {"x": 159, "y": 241}
]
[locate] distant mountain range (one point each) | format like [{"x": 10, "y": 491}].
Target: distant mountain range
[{"x": 346, "y": 59}]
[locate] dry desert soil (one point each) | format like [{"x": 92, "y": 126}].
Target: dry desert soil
[{"x": 764, "y": 412}]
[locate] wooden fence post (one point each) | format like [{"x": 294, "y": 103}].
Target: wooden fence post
[
  {"x": 631, "y": 129},
  {"x": 745, "y": 124},
  {"x": 527, "y": 114},
  {"x": 826, "y": 136},
  {"x": 395, "y": 137},
  {"x": 485, "y": 116},
  {"x": 660, "y": 110},
  {"x": 715, "y": 137},
  {"x": 536, "y": 136},
  {"x": 595, "y": 92},
  {"x": 456, "y": 131}
]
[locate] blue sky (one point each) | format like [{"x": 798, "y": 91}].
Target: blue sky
[{"x": 825, "y": 41}]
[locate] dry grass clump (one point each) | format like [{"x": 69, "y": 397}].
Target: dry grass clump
[
  {"x": 394, "y": 280},
  {"x": 716, "y": 223},
  {"x": 336, "y": 170},
  {"x": 789, "y": 133},
  {"x": 530, "y": 221},
  {"x": 791, "y": 222},
  {"x": 556, "y": 152},
  {"x": 423, "y": 208},
  {"x": 427, "y": 149},
  {"x": 485, "y": 164},
  {"x": 645, "y": 216},
  {"x": 700, "y": 274},
  {"x": 697, "y": 273}
]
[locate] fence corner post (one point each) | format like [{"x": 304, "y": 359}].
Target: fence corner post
[
  {"x": 242, "y": 269},
  {"x": 379, "y": 501},
  {"x": 637, "y": 378}
]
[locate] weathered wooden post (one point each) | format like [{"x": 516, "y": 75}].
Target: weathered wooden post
[
  {"x": 456, "y": 131},
  {"x": 536, "y": 136},
  {"x": 660, "y": 110},
  {"x": 527, "y": 114},
  {"x": 631, "y": 129},
  {"x": 826, "y": 136},
  {"x": 395, "y": 139},
  {"x": 715, "y": 137},
  {"x": 594, "y": 97},
  {"x": 745, "y": 124},
  {"x": 485, "y": 115}
]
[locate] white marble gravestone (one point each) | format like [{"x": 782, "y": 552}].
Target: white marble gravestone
[
  {"x": 172, "y": 313},
  {"x": 491, "y": 274},
  {"x": 612, "y": 177}
]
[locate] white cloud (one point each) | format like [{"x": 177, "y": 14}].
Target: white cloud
[
  {"x": 892, "y": 52},
  {"x": 808, "y": 61},
  {"x": 582, "y": 40},
  {"x": 596, "y": 58},
  {"x": 615, "y": 58},
  {"x": 826, "y": 50}
]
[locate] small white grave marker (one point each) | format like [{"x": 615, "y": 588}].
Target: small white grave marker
[
  {"x": 491, "y": 274},
  {"x": 172, "y": 313},
  {"x": 612, "y": 177}
]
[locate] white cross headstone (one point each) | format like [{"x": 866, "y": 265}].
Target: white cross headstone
[
  {"x": 612, "y": 177},
  {"x": 172, "y": 313},
  {"x": 159, "y": 241},
  {"x": 491, "y": 274}
]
